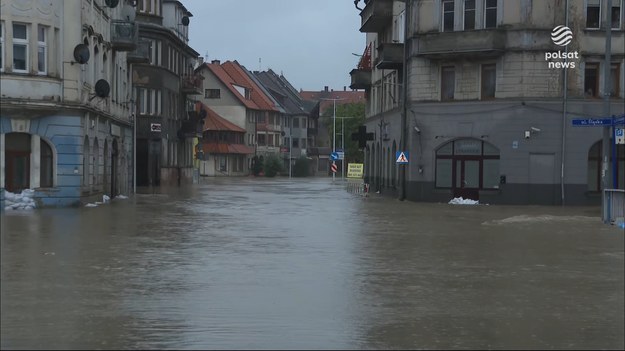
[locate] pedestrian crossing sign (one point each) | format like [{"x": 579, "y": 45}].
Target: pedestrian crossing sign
[{"x": 401, "y": 157}]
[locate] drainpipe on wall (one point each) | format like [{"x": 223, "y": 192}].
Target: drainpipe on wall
[
  {"x": 605, "y": 143},
  {"x": 564, "y": 107},
  {"x": 404, "y": 135}
]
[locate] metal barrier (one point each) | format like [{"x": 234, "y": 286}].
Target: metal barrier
[
  {"x": 613, "y": 206},
  {"x": 357, "y": 187}
]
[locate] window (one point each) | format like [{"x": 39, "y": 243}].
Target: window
[
  {"x": 270, "y": 140},
  {"x": 616, "y": 14},
  {"x": 303, "y": 143},
  {"x": 488, "y": 81},
  {"x": 1, "y": 46},
  {"x": 615, "y": 75},
  {"x": 295, "y": 122},
  {"x": 295, "y": 142},
  {"x": 490, "y": 14},
  {"x": 212, "y": 94},
  {"x": 591, "y": 80},
  {"x": 448, "y": 15},
  {"x": 448, "y": 82},
  {"x": 469, "y": 14},
  {"x": 593, "y": 14},
  {"x": 20, "y": 48},
  {"x": 149, "y": 6},
  {"x": 222, "y": 163},
  {"x": 262, "y": 141},
  {"x": 155, "y": 52},
  {"x": 42, "y": 50},
  {"x": 467, "y": 162},
  {"x": 46, "y": 175}
]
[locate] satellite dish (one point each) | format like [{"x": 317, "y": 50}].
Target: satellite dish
[
  {"x": 111, "y": 3},
  {"x": 102, "y": 88},
  {"x": 81, "y": 53},
  {"x": 185, "y": 21}
]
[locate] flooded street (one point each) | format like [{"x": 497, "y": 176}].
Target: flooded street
[{"x": 302, "y": 264}]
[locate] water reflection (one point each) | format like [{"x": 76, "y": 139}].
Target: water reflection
[{"x": 259, "y": 263}]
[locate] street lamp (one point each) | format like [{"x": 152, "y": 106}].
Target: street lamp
[{"x": 333, "y": 129}]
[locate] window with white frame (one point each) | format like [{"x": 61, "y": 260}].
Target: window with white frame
[
  {"x": 490, "y": 14},
  {"x": 151, "y": 7},
  {"x": 42, "y": 50},
  {"x": 469, "y": 14},
  {"x": 1, "y": 46},
  {"x": 593, "y": 14},
  {"x": 20, "y": 48},
  {"x": 155, "y": 52},
  {"x": 448, "y": 16},
  {"x": 399, "y": 24}
]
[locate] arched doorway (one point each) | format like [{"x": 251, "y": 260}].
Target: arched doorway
[
  {"x": 96, "y": 165},
  {"x": 114, "y": 165},
  {"x": 594, "y": 167},
  {"x": 105, "y": 156},
  {"x": 466, "y": 166},
  {"x": 17, "y": 162}
]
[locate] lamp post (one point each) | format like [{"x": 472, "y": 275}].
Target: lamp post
[{"x": 333, "y": 128}]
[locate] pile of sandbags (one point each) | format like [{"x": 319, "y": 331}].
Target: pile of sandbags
[{"x": 22, "y": 201}]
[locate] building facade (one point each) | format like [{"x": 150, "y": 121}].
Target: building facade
[
  {"x": 65, "y": 126},
  {"x": 486, "y": 113},
  {"x": 166, "y": 89}
]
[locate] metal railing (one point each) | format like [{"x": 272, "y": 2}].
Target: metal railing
[
  {"x": 613, "y": 206},
  {"x": 357, "y": 186}
]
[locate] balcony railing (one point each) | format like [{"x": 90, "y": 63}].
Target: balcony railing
[
  {"x": 192, "y": 84},
  {"x": 361, "y": 79},
  {"x": 141, "y": 54},
  {"x": 123, "y": 35},
  {"x": 467, "y": 44},
  {"x": 390, "y": 56},
  {"x": 376, "y": 15}
]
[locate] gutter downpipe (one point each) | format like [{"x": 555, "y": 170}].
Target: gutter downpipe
[
  {"x": 607, "y": 65},
  {"x": 564, "y": 107},
  {"x": 403, "y": 141}
]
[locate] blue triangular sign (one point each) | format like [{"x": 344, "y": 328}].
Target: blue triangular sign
[{"x": 401, "y": 157}]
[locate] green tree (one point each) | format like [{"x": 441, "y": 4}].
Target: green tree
[
  {"x": 356, "y": 117},
  {"x": 301, "y": 167},
  {"x": 272, "y": 165},
  {"x": 257, "y": 166}
]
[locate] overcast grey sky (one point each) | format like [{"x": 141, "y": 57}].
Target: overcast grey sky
[{"x": 310, "y": 41}]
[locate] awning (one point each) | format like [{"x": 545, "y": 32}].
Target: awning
[{"x": 217, "y": 148}]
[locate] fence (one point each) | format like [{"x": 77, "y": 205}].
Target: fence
[
  {"x": 613, "y": 207},
  {"x": 357, "y": 186}
]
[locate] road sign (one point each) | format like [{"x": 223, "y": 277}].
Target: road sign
[
  {"x": 620, "y": 135},
  {"x": 341, "y": 155},
  {"x": 333, "y": 167},
  {"x": 355, "y": 170},
  {"x": 334, "y": 156},
  {"x": 592, "y": 122},
  {"x": 401, "y": 157},
  {"x": 155, "y": 127}
]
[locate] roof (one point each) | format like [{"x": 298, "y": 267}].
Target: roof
[
  {"x": 282, "y": 90},
  {"x": 229, "y": 82},
  {"x": 237, "y": 72},
  {"x": 325, "y": 97},
  {"x": 215, "y": 122},
  {"x": 219, "y": 148}
]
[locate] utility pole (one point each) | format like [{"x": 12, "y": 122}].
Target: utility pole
[
  {"x": 343, "y": 147},
  {"x": 607, "y": 86},
  {"x": 333, "y": 130}
]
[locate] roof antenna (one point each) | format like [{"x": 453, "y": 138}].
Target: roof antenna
[
  {"x": 206, "y": 56},
  {"x": 259, "y": 66}
]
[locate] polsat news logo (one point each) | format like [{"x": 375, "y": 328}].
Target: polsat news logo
[{"x": 561, "y": 36}]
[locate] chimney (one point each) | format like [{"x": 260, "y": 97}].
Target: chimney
[
  {"x": 216, "y": 62},
  {"x": 325, "y": 89},
  {"x": 200, "y": 61}
]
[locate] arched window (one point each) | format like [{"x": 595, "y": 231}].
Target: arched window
[
  {"x": 47, "y": 166},
  {"x": 17, "y": 161},
  {"x": 467, "y": 164},
  {"x": 594, "y": 167}
]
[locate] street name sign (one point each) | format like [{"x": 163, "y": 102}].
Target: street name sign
[
  {"x": 155, "y": 127},
  {"x": 592, "y": 122}
]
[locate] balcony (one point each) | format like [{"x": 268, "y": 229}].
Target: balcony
[
  {"x": 123, "y": 35},
  {"x": 376, "y": 15},
  {"x": 192, "y": 84},
  {"x": 466, "y": 45},
  {"x": 361, "y": 79},
  {"x": 190, "y": 128},
  {"x": 141, "y": 54},
  {"x": 390, "y": 56}
]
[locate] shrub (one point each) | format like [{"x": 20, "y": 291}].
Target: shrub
[
  {"x": 272, "y": 165},
  {"x": 301, "y": 167},
  {"x": 257, "y": 166}
]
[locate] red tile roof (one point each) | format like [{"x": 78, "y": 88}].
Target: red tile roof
[
  {"x": 219, "y": 148},
  {"x": 214, "y": 121},
  {"x": 345, "y": 96},
  {"x": 236, "y": 71},
  {"x": 228, "y": 81}
]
